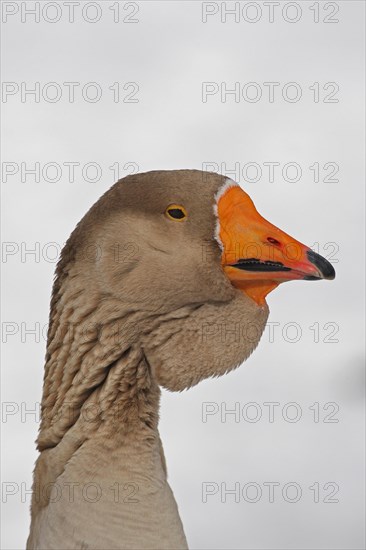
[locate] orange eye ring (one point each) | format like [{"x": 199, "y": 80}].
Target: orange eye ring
[{"x": 176, "y": 212}]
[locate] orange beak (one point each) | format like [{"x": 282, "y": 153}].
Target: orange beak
[{"x": 257, "y": 256}]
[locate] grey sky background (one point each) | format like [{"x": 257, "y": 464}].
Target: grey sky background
[{"x": 312, "y": 354}]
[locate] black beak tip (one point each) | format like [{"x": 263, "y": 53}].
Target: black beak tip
[{"x": 326, "y": 269}]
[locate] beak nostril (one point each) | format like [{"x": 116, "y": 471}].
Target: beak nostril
[{"x": 273, "y": 241}]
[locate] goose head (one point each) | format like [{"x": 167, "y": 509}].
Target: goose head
[{"x": 174, "y": 259}]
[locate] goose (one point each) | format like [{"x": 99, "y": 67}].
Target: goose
[{"x": 160, "y": 257}]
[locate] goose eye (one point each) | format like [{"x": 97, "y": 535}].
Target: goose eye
[{"x": 176, "y": 212}]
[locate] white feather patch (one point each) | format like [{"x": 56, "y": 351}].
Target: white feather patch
[{"x": 224, "y": 187}]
